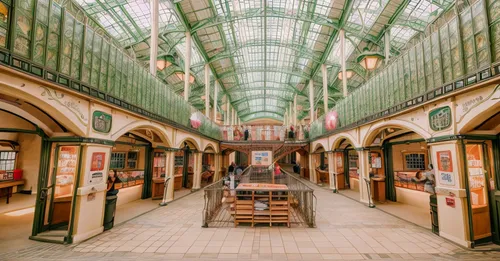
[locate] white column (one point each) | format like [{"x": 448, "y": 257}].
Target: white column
[
  {"x": 233, "y": 116},
  {"x": 311, "y": 99},
  {"x": 331, "y": 170},
  {"x": 295, "y": 110},
  {"x": 170, "y": 160},
  {"x": 387, "y": 46},
  {"x": 207, "y": 90},
  {"x": 342, "y": 61},
  {"x": 215, "y": 101},
  {"x": 228, "y": 110},
  {"x": 325, "y": 87},
  {"x": 285, "y": 118},
  {"x": 153, "y": 49},
  {"x": 187, "y": 66},
  {"x": 364, "y": 172}
]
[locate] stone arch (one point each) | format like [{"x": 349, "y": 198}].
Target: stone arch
[
  {"x": 143, "y": 124},
  {"x": 375, "y": 129},
  {"x": 344, "y": 136},
  {"x": 477, "y": 116},
  {"x": 189, "y": 140},
  {"x": 210, "y": 146},
  {"x": 319, "y": 146},
  {"x": 69, "y": 111}
]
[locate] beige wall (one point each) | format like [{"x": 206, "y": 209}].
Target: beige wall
[
  {"x": 29, "y": 159},
  {"x": 399, "y": 150}
]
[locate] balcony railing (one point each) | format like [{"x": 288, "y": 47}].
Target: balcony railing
[
  {"x": 66, "y": 47},
  {"x": 264, "y": 133},
  {"x": 464, "y": 51}
]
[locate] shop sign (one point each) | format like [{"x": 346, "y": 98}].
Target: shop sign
[
  {"x": 261, "y": 158},
  {"x": 101, "y": 121},
  {"x": 440, "y": 118},
  {"x": 450, "y": 202}
]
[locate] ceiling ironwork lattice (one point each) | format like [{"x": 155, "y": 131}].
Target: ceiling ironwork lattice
[{"x": 264, "y": 52}]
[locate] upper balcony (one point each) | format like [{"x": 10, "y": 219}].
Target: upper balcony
[{"x": 260, "y": 133}]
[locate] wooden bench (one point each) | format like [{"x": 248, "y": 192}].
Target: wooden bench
[{"x": 8, "y": 185}]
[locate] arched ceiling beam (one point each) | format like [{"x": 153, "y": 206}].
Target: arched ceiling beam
[
  {"x": 260, "y": 13},
  {"x": 243, "y": 87},
  {"x": 259, "y": 96},
  {"x": 257, "y": 112},
  {"x": 277, "y": 117},
  {"x": 301, "y": 50},
  {"x": 240, "y": 71}
]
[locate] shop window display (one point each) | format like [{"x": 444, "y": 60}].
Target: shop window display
[
  {"x": 412, "y": 177},
  {"x": 125, "y": 165},
  {"x": 353, "y": 166},
  {"x": 117, "y": 160}
]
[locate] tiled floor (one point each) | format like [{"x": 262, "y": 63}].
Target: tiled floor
[{"x": 345, "y": 230}]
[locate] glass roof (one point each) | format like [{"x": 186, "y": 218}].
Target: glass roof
[{"x": 264, "y": 52}]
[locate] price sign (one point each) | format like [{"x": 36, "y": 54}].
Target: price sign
[{"x": 446, "y": 178}]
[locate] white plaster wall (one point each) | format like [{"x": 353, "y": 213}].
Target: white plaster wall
[
  {"x": 127, "y": 195},
  {"x": 29, "y": 159},
  {"x": 413, "y": 198}
]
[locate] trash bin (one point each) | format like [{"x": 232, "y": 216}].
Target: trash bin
[
  {"x": 109, "y": 212},
  {"x": 434, "y": 214}
]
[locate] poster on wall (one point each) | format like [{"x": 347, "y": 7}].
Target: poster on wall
[
  {"x": 445, "y": 168},
  {"x": 339, "y": 162},
  {"x": 67, "y": 164},
  {"x": 262, "y": 158},
  {"x": 444, "y": 161},
  {"x": 96, "y": 174}
]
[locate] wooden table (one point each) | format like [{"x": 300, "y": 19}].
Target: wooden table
[{"x": 8, "y": 185}]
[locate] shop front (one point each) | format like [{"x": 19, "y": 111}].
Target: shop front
[{"x": 346, "y": 168}]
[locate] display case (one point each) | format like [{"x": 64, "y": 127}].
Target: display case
[{"x": 159, "y": 172}]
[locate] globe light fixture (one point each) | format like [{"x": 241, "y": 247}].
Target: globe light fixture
[
  {"x": 369, "y": 59},
  {"x": 164, "y": 62}
]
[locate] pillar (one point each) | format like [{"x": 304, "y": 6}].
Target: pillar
[
  {"x": 364, "y": 172},
  {"x": 215, "y": 101},
  {"x": 311, "y": 100},
  {"x": 325, "y": 87},
  {"x": 295, "y": 110},
  {"x": 233, "y": 116},
  {"x": 90, "y": 199},
  {"x": 312, "y": 168},
  {"x": 198, "y": 156},
  {"x": 217, "y": 167},
  {"x": 207, "y": 91},
  {"x": 228, "y": 110},
  {"x": 187, "y": 66},
  {"x": 387, "y": 45},
  {"x": 342, "y": 62},
  {"x": 331, "y": 170},
  {"x": 153, "y": 49},
  {"x": 453, "y": 220},
  {"x": 170, "y": 161}
]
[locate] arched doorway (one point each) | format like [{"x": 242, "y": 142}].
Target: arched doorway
[
  {"x": 319, "y": 165},
  {"x": 34, "y": 200},
  {"x": 346, "y": 166},
  {"x": 481, "y": 155},
  {"x": 400, "y": 173},
  {"x": 138, "y": 160}
]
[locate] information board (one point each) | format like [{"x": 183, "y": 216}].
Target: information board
[{"x": 262, "y": 158}]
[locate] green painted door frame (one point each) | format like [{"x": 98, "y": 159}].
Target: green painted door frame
[
  {"x": 346, "y": 169},
  {"x": 390, "y": 189},
  {"x": 147, "y": 187}
]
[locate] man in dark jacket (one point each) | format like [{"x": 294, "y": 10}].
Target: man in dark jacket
[{"x": 230, "y": 169}]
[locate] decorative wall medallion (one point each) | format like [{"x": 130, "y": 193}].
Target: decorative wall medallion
[
  {"x": 70, "y": 104},
  {"x": 101, "y": 121},
  {"x": 440, "y": 118}
]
